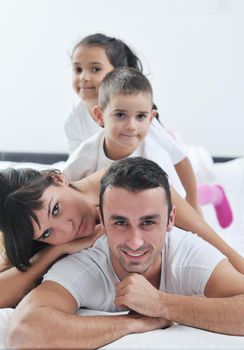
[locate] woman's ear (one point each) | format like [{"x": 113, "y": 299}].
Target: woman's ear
[
  {"x": 98, "y": 115},
  {"x": 59, "y": 178}
]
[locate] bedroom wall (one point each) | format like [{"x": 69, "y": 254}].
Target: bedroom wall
[{"x": 192, "y": 50}]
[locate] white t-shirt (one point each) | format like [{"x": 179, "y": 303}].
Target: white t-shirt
[
  {"x": 187, "y": 264},
  {"x": 79, "y": 126},
  {"x": 90, "y": 157}
]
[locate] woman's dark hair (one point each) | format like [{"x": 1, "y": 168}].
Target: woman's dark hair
[
  {"x": 118, "y": 53},
  {"x": 20, "y": 196}
]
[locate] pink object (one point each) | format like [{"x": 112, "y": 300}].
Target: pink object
[{"x": 215, "y": 194}]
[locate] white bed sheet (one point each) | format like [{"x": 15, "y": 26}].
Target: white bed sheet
[{"x": 231, "y": 176}]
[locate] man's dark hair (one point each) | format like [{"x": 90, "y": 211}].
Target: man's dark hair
[{"x": 135, "y": 174}]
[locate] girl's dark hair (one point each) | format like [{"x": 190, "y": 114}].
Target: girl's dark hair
[
  {"x": 20, "y": 196},
  {"x": 118, "y": 53}
]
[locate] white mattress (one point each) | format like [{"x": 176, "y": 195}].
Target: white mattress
[{"x": 231, "y": 176}]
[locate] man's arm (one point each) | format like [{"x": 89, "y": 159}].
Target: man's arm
[
  {"x": 221, "y": 311},
  {"x": 46, "y": 319}
]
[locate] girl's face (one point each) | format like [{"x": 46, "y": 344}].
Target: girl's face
[
  {"x": 90, "y": 65},
  {"x": 65, "y": 216}
]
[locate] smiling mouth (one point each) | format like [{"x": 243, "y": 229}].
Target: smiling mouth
[{"x": 135, "y": 254}]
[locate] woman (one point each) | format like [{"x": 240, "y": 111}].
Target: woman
[{"x": 43, "y": 217}]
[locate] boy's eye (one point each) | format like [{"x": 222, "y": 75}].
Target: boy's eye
[
  {"x": 55, "y": 210},
  {"x": 141, "y": 116},
  {"x": 120, "y": 116},
  {"x": 46, "y": 233}
]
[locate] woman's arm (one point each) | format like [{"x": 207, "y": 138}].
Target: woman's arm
[
  {"x": 188, "y": 219},
  {"x": 14, "y": 284}
]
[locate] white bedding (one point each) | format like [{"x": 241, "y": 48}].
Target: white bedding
[{"x": 231, "y": 176}]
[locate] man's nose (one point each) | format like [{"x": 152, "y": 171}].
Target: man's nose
[{"x": 135, "y": 239}]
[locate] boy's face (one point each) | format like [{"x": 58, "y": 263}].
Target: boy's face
[{"x": 126, "y": 119}]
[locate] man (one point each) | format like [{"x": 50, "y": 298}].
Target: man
[{"x": 144, "y": 265}]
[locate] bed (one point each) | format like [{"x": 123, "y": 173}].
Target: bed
[{"x": 228, "y": 172}]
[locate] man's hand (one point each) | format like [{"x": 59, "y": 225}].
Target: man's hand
[
  {"x": 145, "y": 324},
  {"x": 137, "y": 294}
]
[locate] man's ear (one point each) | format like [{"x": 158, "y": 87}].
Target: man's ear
[
  {"x": 154, "y": 112},
  {"x": 59, "y": 178},
  {"x": 100, "y": 218},
  {"x": 98, "y": 115},
  {"x": 171, "y": 220}
]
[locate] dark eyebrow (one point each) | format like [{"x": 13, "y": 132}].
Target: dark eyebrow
[
  {"x": 117, "y": 217},
  {"x": 150, "y": 217},
  {"x": 48, "y": 214}
]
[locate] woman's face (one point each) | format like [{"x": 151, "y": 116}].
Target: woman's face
[
  {"x": 90, "y": 65},
  {"x": 65, "y": 216}
]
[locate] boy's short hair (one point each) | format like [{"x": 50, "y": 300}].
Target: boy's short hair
[{"x": 124, "y": 81}]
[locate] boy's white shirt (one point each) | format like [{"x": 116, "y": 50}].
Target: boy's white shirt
[{"x": 90, "y": 157}]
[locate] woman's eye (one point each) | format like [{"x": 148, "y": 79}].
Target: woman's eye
[
  {"x": 46, "y": 233},
  {"x": 55, "y": 210}
]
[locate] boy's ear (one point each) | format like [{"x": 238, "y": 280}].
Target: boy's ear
[
  {"x": 171, "y": 219},
  {"x": 98, "y": 115},
  {"x": 154, "y": 112}
]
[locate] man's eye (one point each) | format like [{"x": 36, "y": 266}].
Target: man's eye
[
  {"x": 46, "y": 233},
  {"x": 120, "y": 223},
  {"x": 55, "y": 210},
  {"x": 148, "y": 222},
  {"x": 141, "y": 116},
  {"x": 120, "y": 116}
]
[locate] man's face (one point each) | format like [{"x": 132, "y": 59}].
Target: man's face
[{"x": 136, "y": 223}]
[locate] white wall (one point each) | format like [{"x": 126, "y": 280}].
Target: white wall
[{"x": 192, "y": 50}]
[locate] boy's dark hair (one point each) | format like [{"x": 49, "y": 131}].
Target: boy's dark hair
[
  {"x": 135, "y": 174},
  {"x": 20, "y": 196},
  {"x": 125, "y": 81},
  {"x": 118, "y": 53}
]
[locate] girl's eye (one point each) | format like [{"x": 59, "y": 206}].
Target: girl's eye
[
  {"x": 77, "y": 70},
  {"x": 96, "y": 69},
  {"x": 46, "y": 233},
  {"x": 55, "y": 209},
  {"x": 141, "y": 116},
  {"x": 120, "y": 116}
]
